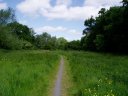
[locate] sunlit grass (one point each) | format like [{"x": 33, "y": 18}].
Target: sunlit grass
[
  {"x": 99, "y": 74},
  {"x": 26, "y": 73}
]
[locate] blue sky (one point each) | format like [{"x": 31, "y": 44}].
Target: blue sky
[{"x": 60, "y": 18}]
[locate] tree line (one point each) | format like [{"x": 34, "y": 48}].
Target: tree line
[
  {"x": 14, "y": 35},
  {"x": 108, "y": 32}
]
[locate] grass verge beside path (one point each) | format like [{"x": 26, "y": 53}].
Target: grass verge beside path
[
  {"x": 67, "y": 83},
  {"x": 52, "y": 79},
  {"x": 26, "y": 73},
  {"x": 32, "y": 73},
  {"x": 97, "y": 74}
]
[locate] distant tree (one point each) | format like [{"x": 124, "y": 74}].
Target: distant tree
[
  {"x": 89, "y": 23},
  {"x": 61, "y": 43},
  {"x": 22, "y": 31},
  {"x": 7, "y": 40},
  {"x": 73, "y": 45},
  {"x": 52, "y": 43},
  {"x": 47, "y": 42},
  {"x": 43, "y": 41},
  {"x": 108, "y": 31},
  {"x": 87, "y": 41},
  {"x": 125, "y": 3},
  {"x": 7, "y": 16},
  {"x": 99, "y": 42}
]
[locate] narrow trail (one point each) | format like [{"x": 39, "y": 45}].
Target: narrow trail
[{"x": 58, "y": 83}]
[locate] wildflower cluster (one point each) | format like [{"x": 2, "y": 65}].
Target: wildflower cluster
[{"x": 102, "y": 88}]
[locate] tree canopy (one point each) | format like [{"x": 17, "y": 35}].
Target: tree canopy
[
  {"x": 7, "y": 16},
  {"x": 109, "y": 31}
]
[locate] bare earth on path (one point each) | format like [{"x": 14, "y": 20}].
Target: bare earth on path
[
  {"x": 61, "y": 83},
  {"x": 58, "y": 83}
]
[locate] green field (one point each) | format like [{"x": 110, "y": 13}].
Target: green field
[
  {"x": 26, "y": 73},
  {"x": 29, "y": 73},
  {"x": 99, "y": 74}
]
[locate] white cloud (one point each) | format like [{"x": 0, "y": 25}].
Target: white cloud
[
  {"x": 63, "y": 2},
  {"x": 24, "y": 22},
  {"x": 104, "y": 3},
  {"x": 63, "y": 9},
  {"x": 33, "y": 6},
  {"x": 51, "y": 29},
  {"x": 59, "y": 31},
  {"x": 72, "y": 13},
  {"x": 3, "y": 6}
]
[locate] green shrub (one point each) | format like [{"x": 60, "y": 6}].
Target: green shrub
[{"x": 7, "y": 40}]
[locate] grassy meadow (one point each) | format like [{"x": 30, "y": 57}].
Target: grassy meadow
[
  {"x": 26, "y": 73},
  {"x": 97, "y": 74},
  {"x": 29, "y": 73}
]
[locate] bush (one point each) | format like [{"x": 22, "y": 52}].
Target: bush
[
  {"x": 7, "y": 40},
  {"x": 99, "y": 42},
  {"x": 27, "y": 45}
]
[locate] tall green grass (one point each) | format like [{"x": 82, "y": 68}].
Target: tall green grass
[
  {"x": 26, "y": 73},
  {"x": 99, "y": 74}
]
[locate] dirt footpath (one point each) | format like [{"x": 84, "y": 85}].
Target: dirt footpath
[{"x": 58, "y": 83}]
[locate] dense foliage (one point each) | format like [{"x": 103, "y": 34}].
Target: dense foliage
[
  {"x": 7, "y": 40},
  {"x": 7, "y": 16},
  {"x": 14, "y": 35},
  {"x": 26, "y": 73},
  {"x": 109, "y": 31},
  {"x": 96, "y": 74},
  {"x": 73, "y": 45}
]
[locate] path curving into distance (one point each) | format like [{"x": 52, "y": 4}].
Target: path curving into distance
[{"x": 58, "y": 83}]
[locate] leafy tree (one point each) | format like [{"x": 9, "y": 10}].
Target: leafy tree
[
  {"x": 12, "y": 34},
  {"x": 61, "y": 43},
  {"x": 43, "y": 41},
  {"x": 22, "y": 31},
  {"x": 7, "y": 40},
  {"x": 87, "y": 41},
  {"x": 73, "y": 45},
  {"x": 46, "y": 41},
  {"x": 89, "y": 23},
  {"x": 99, "y": 42},
  {"x": 7, "y": 16},
  {"x": 108, "y": 31},
  {"x": 125, "y": 3}
]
